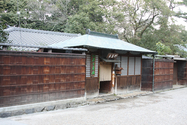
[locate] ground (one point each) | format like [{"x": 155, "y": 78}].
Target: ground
[{"x": 165, "y": 108}]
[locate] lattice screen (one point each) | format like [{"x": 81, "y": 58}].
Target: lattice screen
[
  {"x": 138, "y": 66},
  {"x": 124, "y": 65},
  {"x": 96, "y": 65},
  {"x": 131, "y": 65}
]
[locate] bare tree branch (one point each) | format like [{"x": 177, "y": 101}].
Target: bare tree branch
[{"x": 148, "y": 25}]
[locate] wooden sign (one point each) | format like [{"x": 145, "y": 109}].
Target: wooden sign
[
  {"x": 92, "y": 65},
  {"x": 112, "y": 56}
]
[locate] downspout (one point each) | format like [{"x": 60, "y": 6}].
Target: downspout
[{"x": 153, "y": 72}]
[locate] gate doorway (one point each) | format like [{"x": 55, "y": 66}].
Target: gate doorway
[
  {"x": 105, "y": 77},
  {"x": 175, "y": 74}
]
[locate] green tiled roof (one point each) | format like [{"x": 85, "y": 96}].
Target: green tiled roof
[
  {"x": 101, "y": 41},
  {"x": 102, "y": 34}
]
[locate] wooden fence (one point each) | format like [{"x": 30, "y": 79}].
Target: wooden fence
[
  {"x": 163, "y": 74},
  {"x": 29, "y": 77},
  {"x": 128, "y": 82}
]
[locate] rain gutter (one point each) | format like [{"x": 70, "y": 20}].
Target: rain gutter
[
  {"x": 153, "y": 72},
  {"x": 43, "y": 47}
]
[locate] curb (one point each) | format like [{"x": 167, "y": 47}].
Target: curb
[
  {"x": 74, "y": 104},
  {"x": 41, "y": 107},
  {"x": 158, "y": 91}
]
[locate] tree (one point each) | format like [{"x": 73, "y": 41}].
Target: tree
[
  {"x": 34, "y": 14},
  {"x": 139, "y": 15},
  {"x": 9, "y": 15},
  {"x": 61, "y": 15},
  {"x": 3, "y": 35},
  {"x": 146, "y": 23},
  {"x": 181, "y": 14},
  {"x": 162, "y": 49},
  {"x": 3, "y": 5},
  {"x": 91, "y": 15},
  {"x": 141, "y": 22},
  {"x": 169, "y": 35}
]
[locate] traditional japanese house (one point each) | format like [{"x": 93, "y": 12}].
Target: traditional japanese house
[{"x": 112, "y": 65}]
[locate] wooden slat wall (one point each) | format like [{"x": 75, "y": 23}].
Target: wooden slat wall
[
  {"x": 163, "y": 74},
  {"x": 128, "y": 82},
  {"x": 27, "y": 77},
  {"x": 92, "y": 85}
]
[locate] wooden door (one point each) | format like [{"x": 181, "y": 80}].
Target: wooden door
[{"x": 175, "y": 74}]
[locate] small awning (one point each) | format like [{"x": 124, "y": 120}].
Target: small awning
[{"x": 109, "y": 60}]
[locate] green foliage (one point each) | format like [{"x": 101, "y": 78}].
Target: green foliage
[
  {"x": 139, "y": 16},
  {"x": 90, "y": 16},
  {"x": 3, "y": 5},
  {"x": 34, "y": 14},
  {"x": 168, "y": 35},
  {"x": 3, "y": 35},
  {"x": 182, "y": 14},
  {"x": 146, "y": 23},
  {"x": 162, "y": 49},
  {"x": 78, "y": 23},
  {"x": 141, "y": 22}
]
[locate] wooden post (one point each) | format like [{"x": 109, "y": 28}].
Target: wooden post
[{"x": 153, "y": 72}]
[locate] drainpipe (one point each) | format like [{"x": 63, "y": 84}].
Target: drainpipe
[
  {"x": 153, "y": 72},
  {"x": 113, "y": 82},
  {"x": 114, "y": 79}
]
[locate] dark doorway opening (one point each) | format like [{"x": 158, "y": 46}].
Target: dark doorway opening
[
  {"x": 175, "y": 74},
  {"x": 105, "y": 87}
]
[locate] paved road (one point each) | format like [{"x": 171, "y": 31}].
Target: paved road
[{"x": 166, "y": 108}]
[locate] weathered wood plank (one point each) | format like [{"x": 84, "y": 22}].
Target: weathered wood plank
[{"x": 35, "y": 77}]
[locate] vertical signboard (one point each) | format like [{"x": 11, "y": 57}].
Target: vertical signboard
[{"x": 92, "y": 66}]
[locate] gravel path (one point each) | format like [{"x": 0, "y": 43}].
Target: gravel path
[{"x": 166, "y": 108}]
